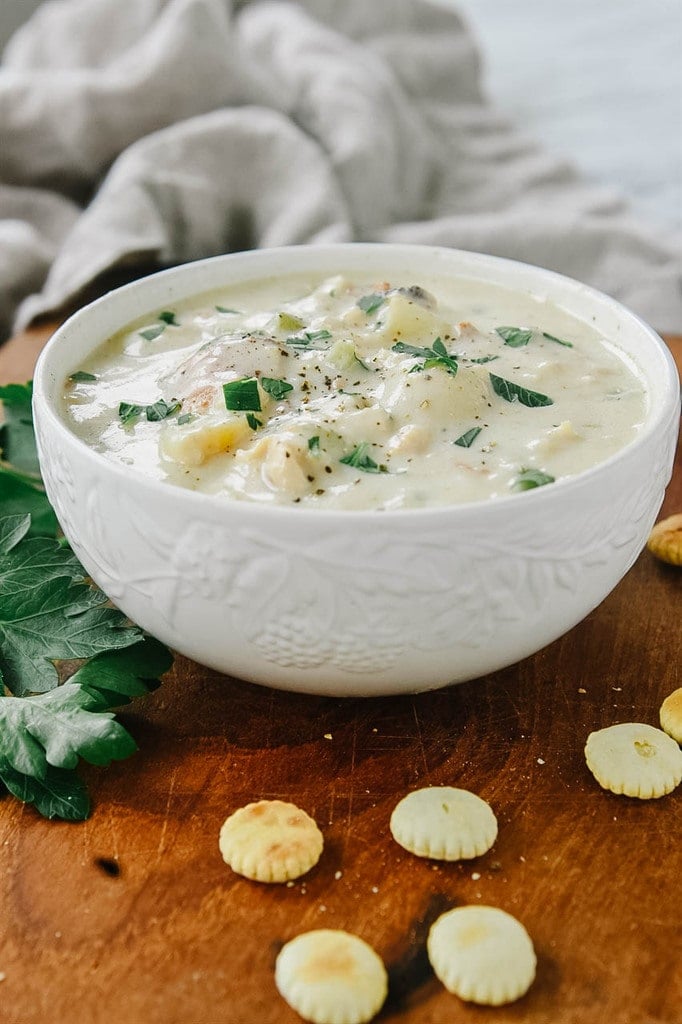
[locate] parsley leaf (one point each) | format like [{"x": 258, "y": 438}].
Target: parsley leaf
[
  {"x": 186, "y": 417},
  {"x": 437, "y": 355},
  {"x": 512, "y": 392},
  {"x": 127, "y": 411},
  {"x": 35, "y": 561},
  {"x": 277, "y": 388},
  {"x": 370, "y": 303},
  {"x": 47, "y": 613},
  {"x": 359, "y": 459},
  {"x": 517, "y": 337},
  {"x": 413, "y": 350},
  {"x": 531, "y": 478},
  {"x": 304, "y": 340},
  {"x": 242, "y": 395},
  {"x": 115, "y": 677},
  {"x": 80, "y": 376},
  {"x": 151, "y": 333},
  {"x": 161, "y": 410},
  {"x": 253, "y": 421},
  {"x": 168, "y": 317},
  {"x": 20, "y": 495},
  {"x": 314, "y": 443},
  {"x": 59, "y": 794},
  {"x": 43, "y": 736},
  {"x": 559, "y": 341},
  {"x": 57, "y": 728},
  {"x": 224, "y": 309},
  {"x": 467, "y": 439}
]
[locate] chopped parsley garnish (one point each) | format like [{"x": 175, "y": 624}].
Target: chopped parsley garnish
[
  {"x": 288, "y": 322},
  {"x": 437, "y": 355},
  {"x": 151, "y": 333},
  {"x": 253, "y": 421},
  {"x": 359, "y": 459},
  {"x": 80, "y": 376},
  {"x": 370, "y": 303},
  {"x": 53, "y": 621},
  {"x": 530, "y": 478},
  {"x": 277, "y": 388},
  {"x": 128, "y": 412},
  {"x": 559, "y": 341},
  {"x": 186, "y": 417},
  {"x": 484, "y": 359},
  {"x": 314, "y": 443},
  {"x": 514, "y": 336},
  {"x": 168, "y": 317},
  {"x": 224, "y": 309},
  {"x": 160, "y": 410},
  {"x": 242, "y": 395},
  {"x": 467, "y": 439},
  {"x": 512, "y": 392},
  {"x": 304, "y": 340}
]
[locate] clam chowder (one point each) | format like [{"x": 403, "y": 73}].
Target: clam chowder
[{"x": 354, "y": 393}]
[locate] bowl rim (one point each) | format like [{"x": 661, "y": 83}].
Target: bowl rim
[{"x": 658, "y": 416}]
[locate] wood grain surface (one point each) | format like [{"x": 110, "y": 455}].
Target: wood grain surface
[{"x": 133, "y": 917}]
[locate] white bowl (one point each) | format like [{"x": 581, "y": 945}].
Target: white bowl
[{"x": 355, "y": 602}]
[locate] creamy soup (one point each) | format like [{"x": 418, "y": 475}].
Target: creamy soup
[{"x": 358, "y": 393}]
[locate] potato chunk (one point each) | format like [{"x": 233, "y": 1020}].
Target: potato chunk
[
  {"x": 285, "y": 466},
  {"x": 436, "y": 396},
  {"x": 191, "y": 444},
  {"x": 403, "y": 319}
]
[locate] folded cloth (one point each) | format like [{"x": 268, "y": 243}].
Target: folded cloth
[{"x": 167, "y": 130}]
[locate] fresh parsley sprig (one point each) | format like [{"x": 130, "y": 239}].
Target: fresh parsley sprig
[
  {"x": 49, "y": 614},
  {"x": 52, "y": 620},
  {"x": 43, "y": 737}
]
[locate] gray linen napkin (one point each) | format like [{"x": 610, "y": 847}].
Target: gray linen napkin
[{"x": 168, "y": 130}]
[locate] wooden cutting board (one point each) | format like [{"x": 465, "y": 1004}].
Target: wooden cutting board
[{"x": 133, "y": 917}]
